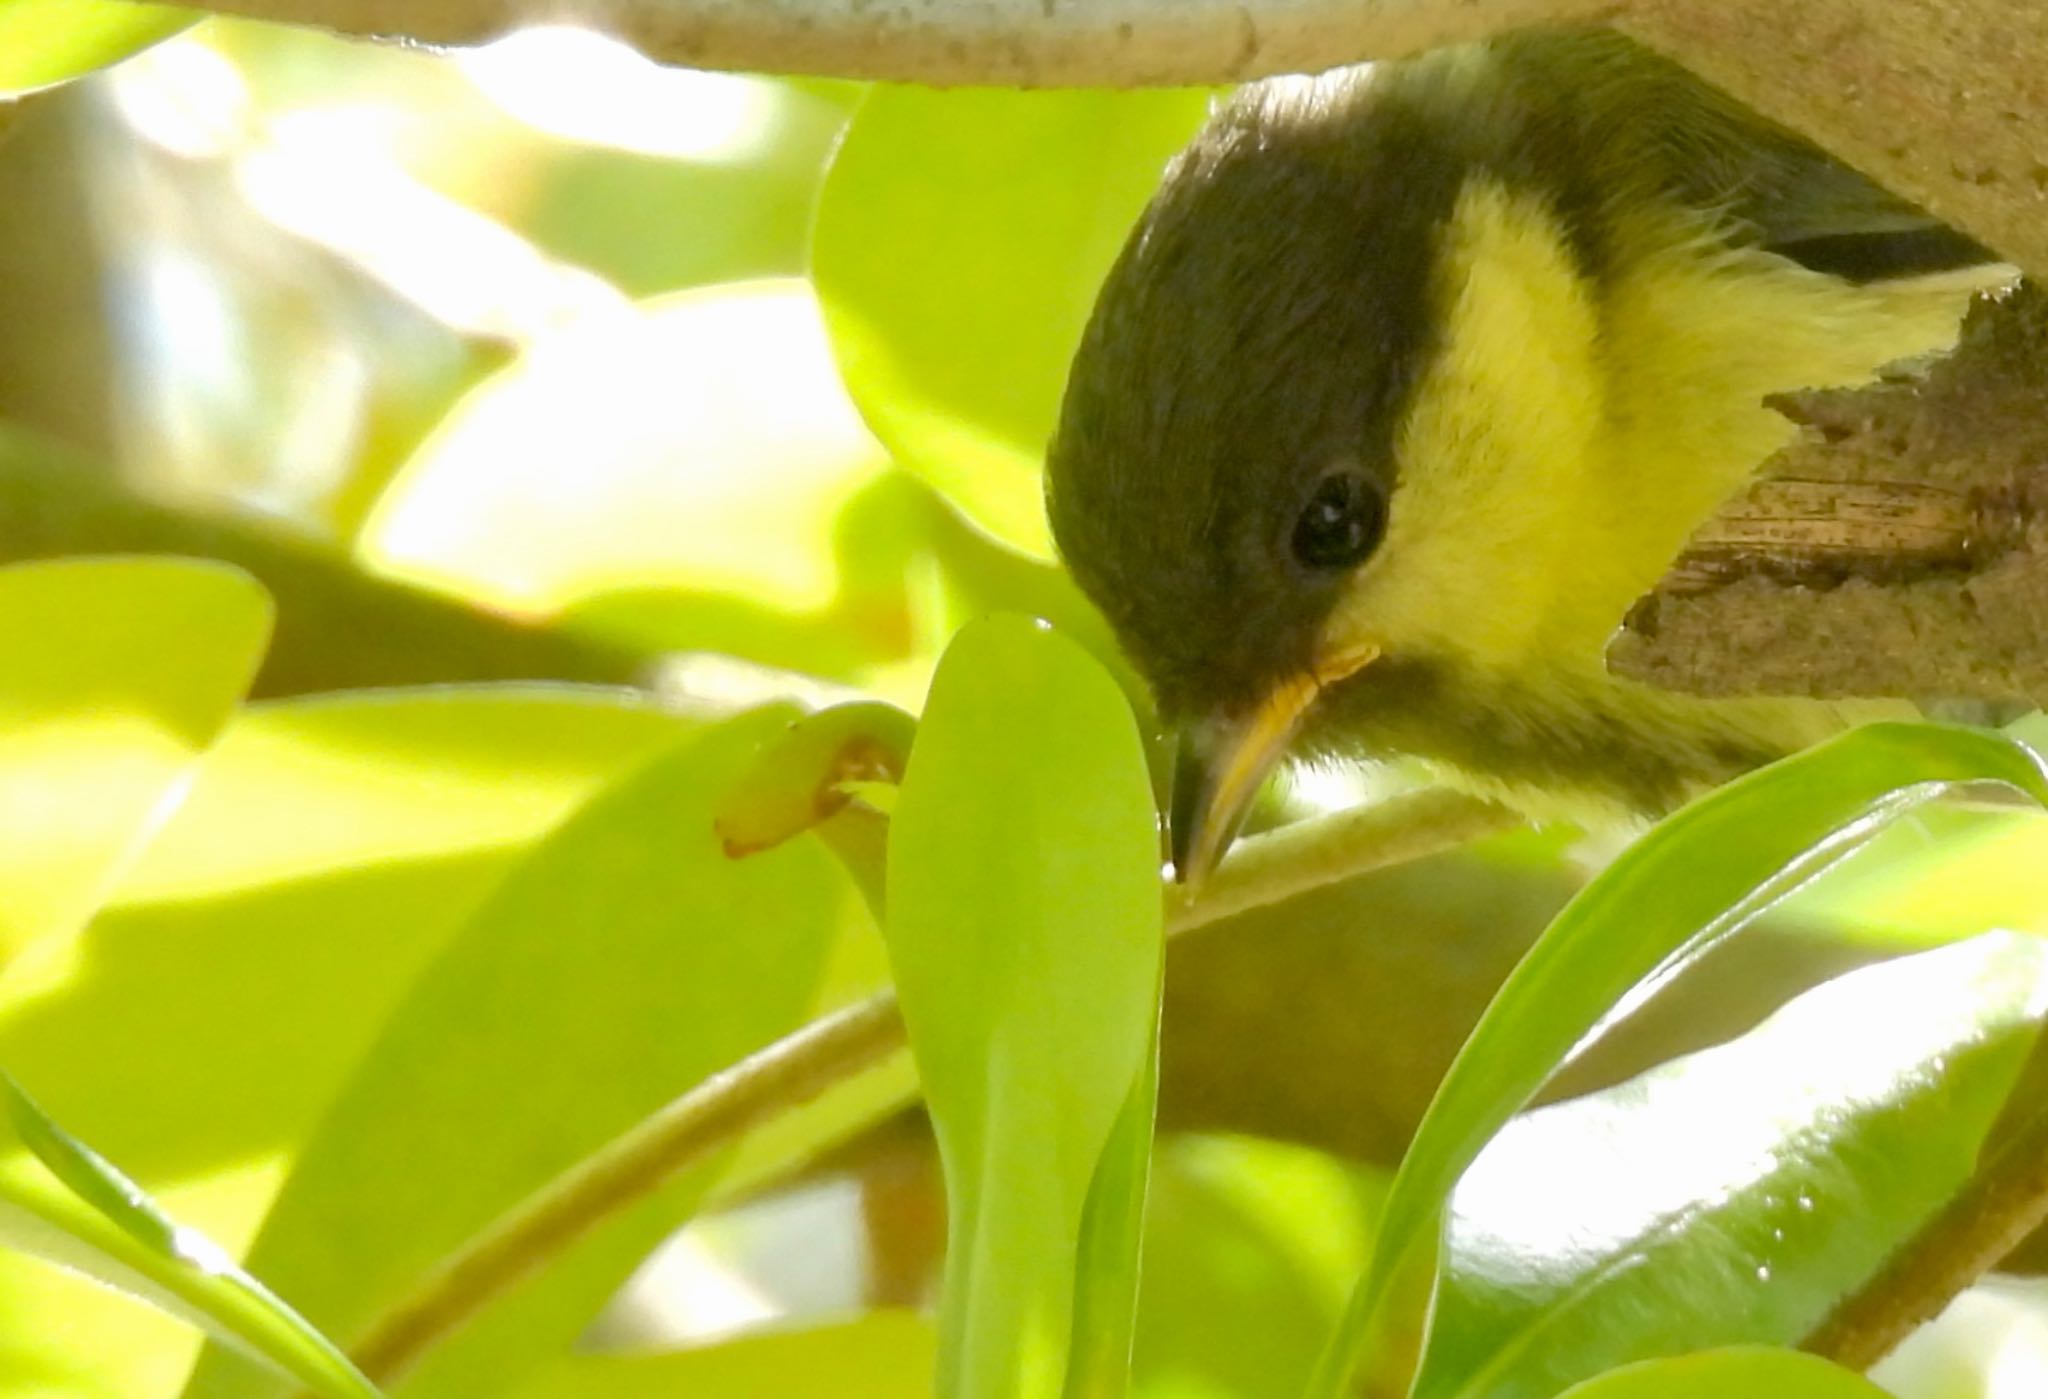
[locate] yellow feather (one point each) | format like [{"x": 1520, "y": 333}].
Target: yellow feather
[{"x": 1572, "y": 434}]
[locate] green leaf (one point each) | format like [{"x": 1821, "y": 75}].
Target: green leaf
[
  {"x": 960, "y": 240},
  {"x": 715, "y": 451},
  {"x": 1960, "y": 868},
  {"x": 813, "y": 770},
  {"x": 1738, "y": 1194},
  {"x": 50, "y": 41},
  {"x": 1250, "y": 1246},
  {"x": 198, "y": 1028},
  {"x": 73, "y": 1208},
  {"x": 114, "y": 675},
  {"x": 623, "y": 961},
  {"x": 1108, "y": 1255},
  {"x": 1024, "y": 929},
  {"x": 883, "y": 1355},
  {"x": 1695, "y": 879},
  {"x": 833, "y": 773},
  {"x": 1754, "y": 1371}
]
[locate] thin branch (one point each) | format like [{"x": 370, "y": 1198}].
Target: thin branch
[
  {"x": 2005, "y": 1202},
  {"x": 785, "y": 1075},
  {"x": 1265, "y": 870},
  {"x": 1025, "y": 43},
  {"x": 1937, "y": 99},
  {"x": 1279, "y": 864}
]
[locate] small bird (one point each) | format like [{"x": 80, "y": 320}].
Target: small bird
[{"x": 1413, "y": 377}]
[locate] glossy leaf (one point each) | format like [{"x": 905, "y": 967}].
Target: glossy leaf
[
  {"x": 327, "y": 849},
  {"x": 50, "y": 41},
  {"x": 67, "y": 1204},
  {"x": 960, "y": 240},
  {"x": 884, "y": 1355},
  {"x": 1250, "y": 1246},
  {"x": 715, "y": 449},
  {"x": 1024, "y": 929},
  {"x": 1738, "y": 1194},
  {"x": 1694, "y": 880},
  {"x": 114, "y": 675},
  {"x": 1960, "y": 868},
  {"x": 1108, "y": 1252},
  {"x": 1754, "y": 1371},
  {"x": 622, "y": 961}
]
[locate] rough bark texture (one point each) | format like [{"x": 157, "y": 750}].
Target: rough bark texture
[
  {"x": 1899, "y": 548},
  {"x": 1942, "y": 100},
  {"x": 1021, "y": 43}
]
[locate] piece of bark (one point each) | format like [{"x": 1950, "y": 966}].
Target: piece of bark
[{"x": 1898, "y": 548}]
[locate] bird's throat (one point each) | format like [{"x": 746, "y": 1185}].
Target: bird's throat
[{"x": 1567, "y": 743}]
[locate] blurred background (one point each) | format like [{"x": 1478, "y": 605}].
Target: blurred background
[
  {"x": 526, "y": 323},
  {"x": 529, "y": 328}
]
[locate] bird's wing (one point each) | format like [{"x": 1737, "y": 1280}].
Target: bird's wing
[
  {"x": 1820, "y": 213},
  {"x": 1664, "y": 127}
]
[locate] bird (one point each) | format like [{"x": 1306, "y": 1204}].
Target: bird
[{"x": 1413, "y": 377}]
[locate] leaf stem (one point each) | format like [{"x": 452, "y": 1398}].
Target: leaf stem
[
  {"x": 785, "y": 1075},
  {"x": 798, "y": 1068},
  {"x": 2003, "y": 1203}
]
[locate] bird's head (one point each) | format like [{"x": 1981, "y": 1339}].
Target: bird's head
[{"x": 1265, "y": 470}]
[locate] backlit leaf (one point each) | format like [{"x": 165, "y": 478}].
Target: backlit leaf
[
  {"x": 200, "y": 1026},
  {"x": 1024, "y": 929},
  {"x": 960, "y": 240},
  {"x": 114, "y": 675},
  {"x": 624, "y": 960},
  {"x": 65, "y": 1203},
  {"x": 1743, "y": 1370},
  {"x": 50, "y": 41}
]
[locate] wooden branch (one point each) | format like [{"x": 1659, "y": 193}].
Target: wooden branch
[
  {"x": 1021, "y": 43},
  {"x": 1900, "y": 548},
  {"x": 1942, "y": 100}
]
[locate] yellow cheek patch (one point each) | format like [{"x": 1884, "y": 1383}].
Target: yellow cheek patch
[
  {"x": 1568, "y": 437},
  {"x": 1492, "y": 454}
]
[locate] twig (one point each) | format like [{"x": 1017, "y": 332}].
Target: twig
[
  {"x": 1029, "y": 43},
  {"x": 2006, "y": 1201},
  {"x": 1265, "y": 870},
  {"x": 1279, "y": 864},
  {"x": 785, "y": 1075}
]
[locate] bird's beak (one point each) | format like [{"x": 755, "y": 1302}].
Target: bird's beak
[{"x": 1222, "y": 761}]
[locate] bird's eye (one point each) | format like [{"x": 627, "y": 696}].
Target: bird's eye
[{"x": 1341, "y": 523}]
